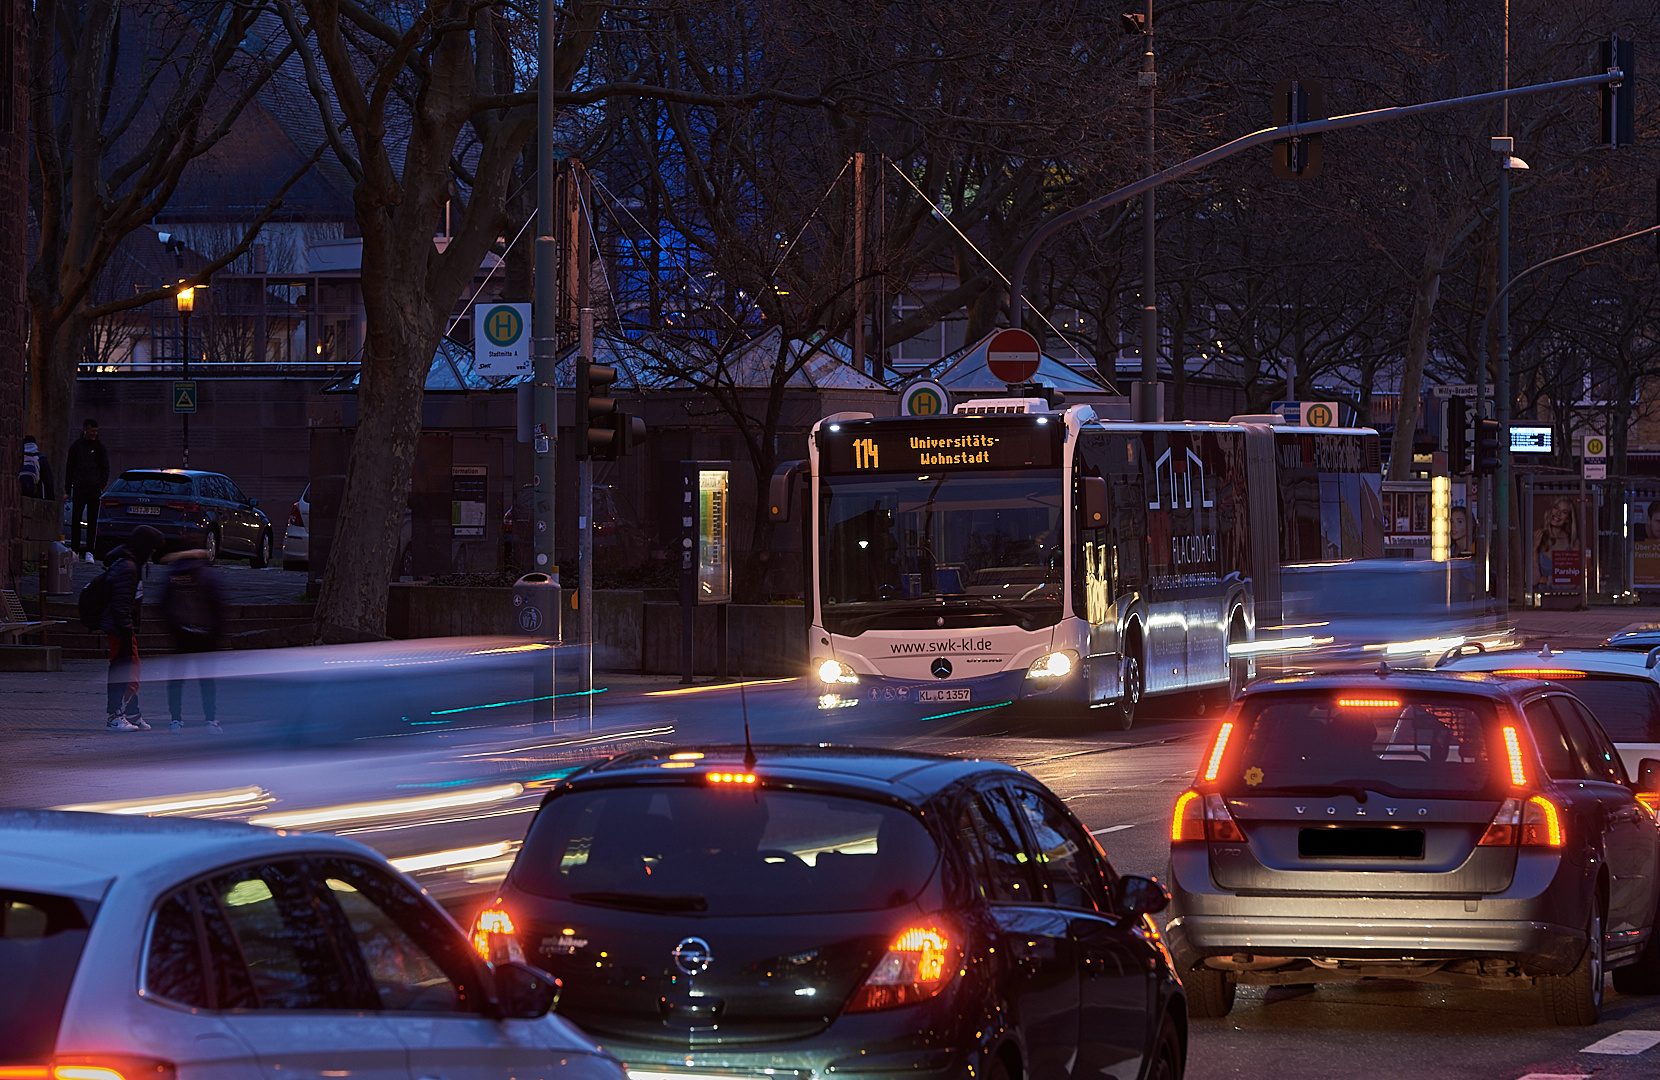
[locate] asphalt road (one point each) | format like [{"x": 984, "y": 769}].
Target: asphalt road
[{"x": 456, "y": 796}]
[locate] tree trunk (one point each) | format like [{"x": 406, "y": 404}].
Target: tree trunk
[
  {"x": 351, "y": 605},
  {"x": 54, "y": 361},
  {"x": 1425, "y": 291}
]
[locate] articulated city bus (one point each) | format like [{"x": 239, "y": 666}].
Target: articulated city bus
[{"x": 1010, "y": 553}]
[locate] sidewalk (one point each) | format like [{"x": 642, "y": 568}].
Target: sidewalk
[
  {"x": 1577, "y": 629},
  {"x": 241, "y": 583}
]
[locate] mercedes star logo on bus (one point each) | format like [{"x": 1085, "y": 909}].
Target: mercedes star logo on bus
[
  {"x": 693, "y": 956},
  {"x": 941, "y": 667}
]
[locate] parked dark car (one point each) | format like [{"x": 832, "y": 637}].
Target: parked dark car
[
  {"x": 1456, "y": 828},
  {"x": 818, "y": 911},
  {"x": 204, "y": 508}
]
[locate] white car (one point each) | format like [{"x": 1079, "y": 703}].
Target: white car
[
  {"x": 296, "y": 539},
  {"x": 1621, "y": 688},
  {"x": 175, "y": 949}
]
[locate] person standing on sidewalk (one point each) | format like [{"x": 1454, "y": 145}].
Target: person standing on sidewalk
[
  {"x": 35, "y": 478},
  {"x": 87, "y": 474},
  {"x": 120, "y": 625},
  {"x": 193, "y": 608}
]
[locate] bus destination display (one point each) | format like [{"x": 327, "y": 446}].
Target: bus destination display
[{"x": 861, "y": 448}]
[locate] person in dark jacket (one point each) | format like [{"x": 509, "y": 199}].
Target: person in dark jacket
[
  {"x": 86, "y": 476},
  {"x": 35, "y": 478},
  {"x": 120, "y": 625},
  {"x": 193, "y": 608}
]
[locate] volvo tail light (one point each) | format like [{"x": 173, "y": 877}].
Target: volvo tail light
[
  {"x": 1204, "y": 817},
  {"x": 1534, "y": 822},
  {"x": 917, "y": 966},
  {"x": 1213, "y": 764}
]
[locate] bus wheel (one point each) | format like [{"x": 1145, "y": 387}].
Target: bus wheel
[
  {"x": 1239, "y": 671},
  {"x": 1135, "y": 681}
]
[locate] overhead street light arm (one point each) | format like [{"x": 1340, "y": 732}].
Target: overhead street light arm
[
  {"x": 1258, "y": 138},
  {"x": 1487, "y": 319}
]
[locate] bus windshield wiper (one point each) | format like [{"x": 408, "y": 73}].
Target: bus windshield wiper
[{"x": 642, "y": 901}]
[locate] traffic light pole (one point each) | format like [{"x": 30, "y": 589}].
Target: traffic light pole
[
  {"x": 1264, "y": 137},
  {"x": 585, "y": 529}
]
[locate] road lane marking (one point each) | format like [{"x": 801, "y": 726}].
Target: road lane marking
[
  {"x": 1109, "y": 749},
  {"x": 1624, "y": 1042},
  {"x": 1555, "y": 1076},
  {"x": 1110, "y": 828}
]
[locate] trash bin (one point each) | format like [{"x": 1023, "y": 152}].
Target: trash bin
[
  {"x": 57, "y": 571},
  {"x": 536, "y": 606}
]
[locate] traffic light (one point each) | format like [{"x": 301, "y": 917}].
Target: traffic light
[
  {"x": 1297, "y": 101},
  {"x": 1487, "y": 447},
  {"x": 624, "y": 430},
  {"x": 1457, "y": 446},
  {"x": 1619, "y": 102},
  {"x": 594, "y": 407}
]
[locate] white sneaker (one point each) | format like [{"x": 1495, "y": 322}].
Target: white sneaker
[
  {"x": 117, "y": 722},
  {"x": 139, "y": 723},
  {"x": 214, "y": 728},
  {"x": 89, "y": 556},
  {"x": 175, "y": 725}
]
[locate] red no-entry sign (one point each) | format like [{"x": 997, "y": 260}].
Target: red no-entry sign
[{"x": 1012, "y": 356}]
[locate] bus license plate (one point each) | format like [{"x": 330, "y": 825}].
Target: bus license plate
[{"x": 960, "y": 693}]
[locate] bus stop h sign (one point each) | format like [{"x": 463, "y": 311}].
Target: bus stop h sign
[{"x": 1012, "y": 356}]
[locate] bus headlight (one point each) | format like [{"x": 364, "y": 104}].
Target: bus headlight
[
  {"x": 831, "y": 672},
  {"x": 1055, "y": 665}
]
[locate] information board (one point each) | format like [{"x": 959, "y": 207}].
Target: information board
[{"x": 969, "y": 442}]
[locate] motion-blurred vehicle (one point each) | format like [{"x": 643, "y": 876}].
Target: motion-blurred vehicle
[
  {"x": 1405, "y": 612},
  {"x": 296, "y": 539},
  {"x": 153, "y": 948},
  {"x": 203, "y": 508},
  {"x": 1639, "y": 638},
  {"x": 1621, "y": 687},
  {"x": 1448, "y": 827},
  {"x": 825, "y": 911}
]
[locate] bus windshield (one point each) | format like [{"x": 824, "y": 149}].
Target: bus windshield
[{"x": 901, "y": 549}]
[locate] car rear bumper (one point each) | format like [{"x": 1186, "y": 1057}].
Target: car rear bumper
[
  {"x": 787, "y": 1062},
  {"x": 116, "y": 531},
  {"x": 296, "y": 544},
  {"x": 1537, "y": 921}
]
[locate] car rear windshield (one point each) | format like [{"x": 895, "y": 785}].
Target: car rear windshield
[
  {"x": 41, "y": 938},
  {"x": 149, "y": 483},
  {"x": 1375, "y": 738},
  {"x": 1627, "y": 709},
  {"x": 739, "y": 851}
]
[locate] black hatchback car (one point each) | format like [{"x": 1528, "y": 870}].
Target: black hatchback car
[
  {"x": 204, "y": 508},
  {"x": 1451, "y": 827},
  {"x": 817, "y": 911}
]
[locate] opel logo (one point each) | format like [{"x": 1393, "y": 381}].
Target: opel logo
[
  {"x": 940, "y": 667},
  {"x": 693, "y": 956}
]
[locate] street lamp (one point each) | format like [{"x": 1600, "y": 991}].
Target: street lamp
[{"x": 186, "y": 299}]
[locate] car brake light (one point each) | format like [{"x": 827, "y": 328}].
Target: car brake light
[
  {"x": 489, "y": 928},
  {"x": 106, "y": 504},
  {"x": 100, "y": 1067},
  {"x": 1534, "y": 823},
  {"x": 294, "y": 517},
  {"x": 1214, "y": 764},
  {"x": 1188, "y": 822},
  {"x": 1513, "y": 749},
  {"x": 1541, "y": 823},
  {"x": 915, "y": 968},
  {"x": 731, "y": 778},
  {"x": 186, "y": 507},
  {"x": 1541, "y": 673}
]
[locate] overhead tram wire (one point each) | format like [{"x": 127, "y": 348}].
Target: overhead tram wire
[{"x": 943, "y": 217}]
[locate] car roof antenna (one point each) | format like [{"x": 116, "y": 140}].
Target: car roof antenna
[{"x": 743, "y": 700}]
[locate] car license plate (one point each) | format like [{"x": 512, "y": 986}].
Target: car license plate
[
  {"x": 960, "y": 693},
  {"x": 144, "y": 510}
]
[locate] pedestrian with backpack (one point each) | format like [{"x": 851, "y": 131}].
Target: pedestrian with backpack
[
  {"x": 194, "y": 610},
  {"x": 35, "y": 477},
  {"x": 123, "y": 580}
]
